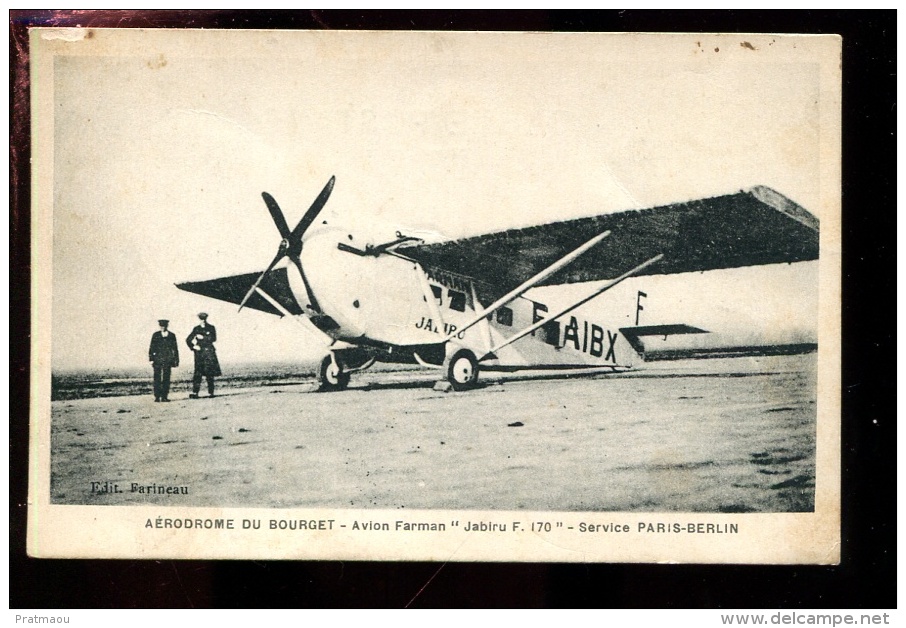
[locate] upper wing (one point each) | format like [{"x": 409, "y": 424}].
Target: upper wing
[
  {"x": 749, "y": 228},
  {"x": 233, "y": 290}
]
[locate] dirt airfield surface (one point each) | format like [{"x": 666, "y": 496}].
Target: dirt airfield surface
[{"x": 728, "y": 435}]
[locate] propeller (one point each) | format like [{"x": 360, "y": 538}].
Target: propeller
[{"x": 291, "y": 241}]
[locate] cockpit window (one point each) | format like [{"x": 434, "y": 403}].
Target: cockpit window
[
  {"x": 457, "y": 300},
  {"x": 438, "y": 294},
  {"x": 505, "y": 316}
]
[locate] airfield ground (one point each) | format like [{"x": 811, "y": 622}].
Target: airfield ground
[{"x": 729, "y": 435}]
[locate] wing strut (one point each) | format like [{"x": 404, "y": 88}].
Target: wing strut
[
  {"x": 527, "y": 285},
  {"x": 284, "y": 312},
  {"x": 485, "y": 326},
  {"x": 430, "y": 299},
  {"x": 607, "y": 286}
]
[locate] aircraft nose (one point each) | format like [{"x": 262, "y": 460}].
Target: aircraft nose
[{"x": 338, "y": 280}]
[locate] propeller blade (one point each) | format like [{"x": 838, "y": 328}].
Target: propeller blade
[
  {"x": 312, "y": 212},
  {"x": 311, "y": 295},
  {"x": 248, "y": 295},
  {"x": 291, "y": 242},
  {"x": 276, "y": 215}
]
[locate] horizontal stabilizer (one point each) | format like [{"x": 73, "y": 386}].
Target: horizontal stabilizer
[
  {"x": 634, "y": 335},
  {"x": 233, "y": 289},
  {"x": 741, "y": 351}
]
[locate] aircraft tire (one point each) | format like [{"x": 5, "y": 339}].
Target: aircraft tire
[
  {"x": 329, "y": 380},
  {"x": 461, "y": 369}
]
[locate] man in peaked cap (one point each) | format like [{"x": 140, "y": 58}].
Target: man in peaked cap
[
  {"x": 164, "y": 355},
  {"x": 201, "y": 342}
]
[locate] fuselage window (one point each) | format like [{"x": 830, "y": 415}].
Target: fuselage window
[
  {"x": 438, "y": 294},
  {"x": 505, "y": 316},
  {"x": 457, "y": 300}
]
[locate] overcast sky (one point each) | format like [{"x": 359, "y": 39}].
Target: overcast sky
[{"x": 163, "y": 143}]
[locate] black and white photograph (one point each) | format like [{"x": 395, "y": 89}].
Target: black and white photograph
[{"x": 435, "y": 296}]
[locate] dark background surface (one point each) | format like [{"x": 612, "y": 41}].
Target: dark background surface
[{"x": 866, "y": 577}]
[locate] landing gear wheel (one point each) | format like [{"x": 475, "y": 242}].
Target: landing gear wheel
[
  {"x": 331, "y": 376},
  {"x": 461, "y": 369}
]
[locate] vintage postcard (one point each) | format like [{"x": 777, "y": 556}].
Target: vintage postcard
[{"x": 435, "y": 296}]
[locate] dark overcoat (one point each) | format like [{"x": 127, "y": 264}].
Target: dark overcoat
[
  {"x": 203, "y": 338},
  {"x": 164, "y": 350}
]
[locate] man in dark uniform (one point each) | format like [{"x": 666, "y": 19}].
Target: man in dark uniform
[
  {"x": 164, "y": 355},
  {"x": 201, "y": 342}
]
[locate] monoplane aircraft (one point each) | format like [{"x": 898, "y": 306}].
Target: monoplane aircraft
[{"x": 461, "y": 305}]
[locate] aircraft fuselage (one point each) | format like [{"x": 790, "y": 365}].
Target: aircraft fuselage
[{"x": 389, "y": 300}]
